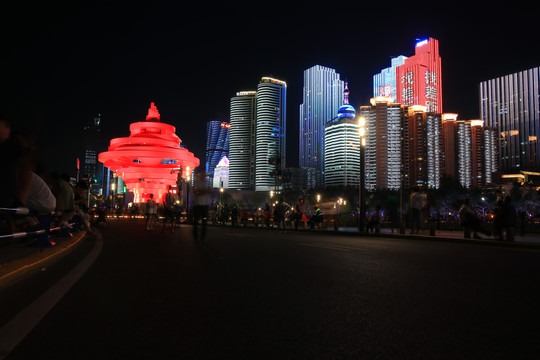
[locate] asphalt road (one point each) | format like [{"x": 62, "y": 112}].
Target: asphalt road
[{"x": 259, "y": 294}]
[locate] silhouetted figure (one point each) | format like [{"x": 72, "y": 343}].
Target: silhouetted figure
[
  {"x": 509, "y": 219},
  {"x": 201, "y": 201},
  {"x": 470, "y": 221}
]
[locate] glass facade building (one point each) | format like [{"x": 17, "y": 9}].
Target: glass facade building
[
  {"x": 242, "y": 141},
  {"x": 511, "y": 104},
  {"x": 217, "y": 145},
  {"x": 270, "y": 132},
  {"x": 384, "y": 83},
  {"x": 322, "y": 97}
]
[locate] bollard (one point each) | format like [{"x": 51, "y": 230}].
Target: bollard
[{"x": 431, "y": 229}]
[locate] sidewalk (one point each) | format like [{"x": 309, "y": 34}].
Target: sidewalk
[{"x": 457, "y": 234}]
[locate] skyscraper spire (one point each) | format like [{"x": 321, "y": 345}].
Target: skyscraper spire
[{"x": 346, "y": 93}]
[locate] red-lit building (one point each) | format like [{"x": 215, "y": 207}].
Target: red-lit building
[
  {"x": 150, "y": 159},
  {"x": 418, "y": 80}
]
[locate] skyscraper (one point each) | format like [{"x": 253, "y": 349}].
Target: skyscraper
[
  {"x": 91, "y": 169},
  {"x": 384, "y": 119},
  {"x": 270, "y": 133},
  {"x": 384, "y": 83},
  {"x": 470, "y": 151},
  {"x": 242, "y": 141},
  {"x": 422, "y": 150},
  {"x": 342, "y": 148},
  {"x": 322, "y": 97},
  {"x": 511, "y": 104},
  {"x": 419, "y": 80},
  {"x": 217, "y": 145}
]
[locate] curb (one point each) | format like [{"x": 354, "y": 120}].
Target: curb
[
  {"x": 486, "y": 242},
  {"x": 19, "y": 266}
]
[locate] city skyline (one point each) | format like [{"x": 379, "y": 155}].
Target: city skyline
[{"x": 81, "y": 60}]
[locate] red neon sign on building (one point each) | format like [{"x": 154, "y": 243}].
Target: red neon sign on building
[
  {"x": 418, "y": 80},
  {"x": 150, "y": 159}
]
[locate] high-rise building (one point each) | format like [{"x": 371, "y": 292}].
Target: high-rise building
[
  {"x": 322, "y": 97},
  {"x": 342, "y": 148},
  {"x": 384, "y": 120},
  {"x": 423, "y": 147},
  {"x": 419, "y": 80},
  {"x": 384, "y": 83},
  {"x": 90, "y": 169},
  {"x": 221, "y": 174},
  {"x": 470, "y": 151},
  {"x": 242, "y": 141},
  {"x": 217, "y": 145},
  {"x": 270, "y": 133},
  {"x": 449, "y": 131},
  {"x": 511, "y": 104}
]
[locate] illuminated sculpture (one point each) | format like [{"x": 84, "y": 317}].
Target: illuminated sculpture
[{"x": 150, "y": 159}]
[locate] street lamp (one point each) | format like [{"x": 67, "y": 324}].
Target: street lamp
[{"x": 361, "y": 201}]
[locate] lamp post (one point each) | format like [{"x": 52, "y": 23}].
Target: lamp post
[{"x": 361, "y": 200}]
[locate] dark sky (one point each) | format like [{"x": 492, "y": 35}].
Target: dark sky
[{"x": 61, "y": 65}]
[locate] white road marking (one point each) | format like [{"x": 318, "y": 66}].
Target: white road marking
[{"x": 331, "y": 247}]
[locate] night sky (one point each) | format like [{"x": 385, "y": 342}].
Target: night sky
[{"x": 62, "y": 65}]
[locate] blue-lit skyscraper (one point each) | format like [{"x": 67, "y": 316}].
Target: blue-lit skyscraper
[
  {"x": 322, "y": 97},
  {"x": 270, "y": 132},
  {"x": 384, "y": 83},
  {"x": 217, "y": 144}
]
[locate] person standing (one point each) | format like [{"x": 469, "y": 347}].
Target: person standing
[
  {"x": 317, "y": 217},
  {"x": 172, "y": 208},
  {"x": 151, "y": 213},
  {"x": 415, "y": 206},
  {"x": 280, "y": 213},
  {"x": 300, "y": 214},
  {"x": 201, "y": 201},
  {"x": 509, "y": 219}
]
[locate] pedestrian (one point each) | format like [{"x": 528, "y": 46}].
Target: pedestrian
[
  {"x": 201, "y": 201},
  {"x": 234, "y": 215},
  {"x": 509, "y": 219},
  {"x": 317, "y": 217},
  {"x": 393, "y": 212},
  {"x": 151, "y": 213},
  {"x": 497, "y": 221},
  {"x": 280, "y": 213},
  {"x": 470, "y": 221},
  {"x": 172, "y": 209},
  {"x": 374, "y": 223},
  {"x": 300, "y": 214},
  {"x": 416, "y": 204}
]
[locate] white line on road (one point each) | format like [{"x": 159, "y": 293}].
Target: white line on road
[
  {"x": 16, "y": 330},
  {"x": 331, "y": 247}
]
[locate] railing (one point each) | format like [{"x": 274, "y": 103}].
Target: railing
[{"x": 43, "y": 239}]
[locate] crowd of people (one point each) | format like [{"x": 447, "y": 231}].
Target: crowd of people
[
  {"x": 51, "y": 198},
  {"x": 54, "y": 196},
  {"x": 281, "y": 215}
]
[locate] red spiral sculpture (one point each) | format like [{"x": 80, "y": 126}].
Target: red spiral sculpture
[{"x": 150, "y": 159}]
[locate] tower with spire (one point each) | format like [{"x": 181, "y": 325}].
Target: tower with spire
[{"x": 341, "y": 146}]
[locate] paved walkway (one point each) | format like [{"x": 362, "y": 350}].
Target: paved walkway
[{"x": 458, "y": 234}]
